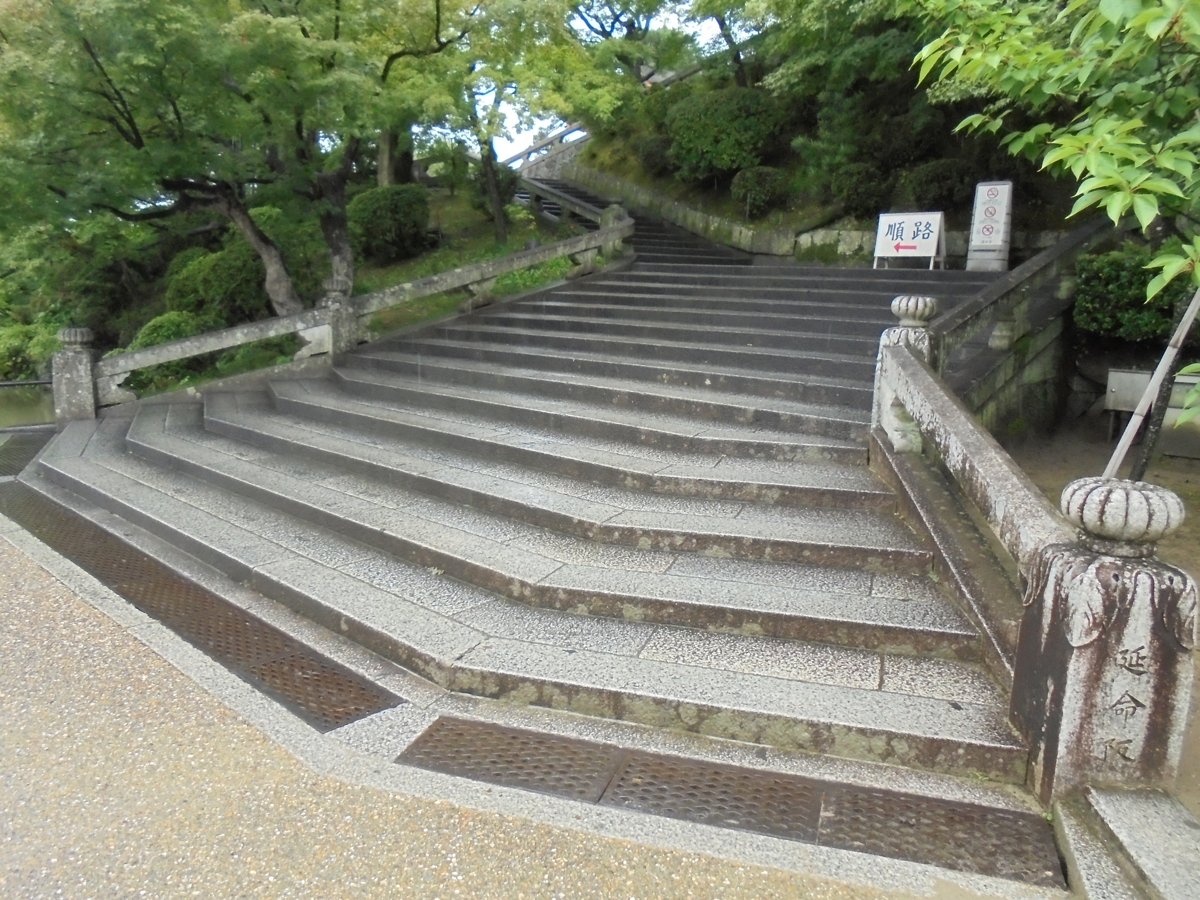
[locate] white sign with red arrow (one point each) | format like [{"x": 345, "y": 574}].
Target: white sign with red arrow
[{"x": 911, "y": 236}]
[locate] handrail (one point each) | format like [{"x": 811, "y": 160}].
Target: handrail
[
  {"x": 1008, "y": 297},
  {"x": 209, "y": 342},
  {"x": 479, "y": 272},
  {"x": 33, "y": 382},
  {"x": 566, "y": 201},
  {"x": 332, "y": 326},
  {"x": 547, "y": 144}
]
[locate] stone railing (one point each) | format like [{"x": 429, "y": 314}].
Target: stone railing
[
  {"x": 1103, "y": 669},
  {"x": 338, "y": 323},
  {"x": 540, "y": 194},
  {"x": 548, "y": 155},
  {"x": 1002, "y": 350}
]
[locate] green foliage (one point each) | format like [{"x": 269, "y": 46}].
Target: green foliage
[
  {"x": 389, "y": 223},
  {"x": 653, "y": 151},
  {"x": 937, "y": 184},
  {"x": 25, "y": 351},
  {"x": 862, "y": 189},
  {"x": 506, "y": 180},
  {"x": 221, "y": 288},
  {"x": 759, "y": 189},
  {"x": 534, "y": 277},
  {"x": 1111, "y": 296},
  {"x": 714, "y": 134},
  {"x": 1111, "y": 89},
  {"x": 170, "y": 326},
  {"x": 255, "y": 356}
]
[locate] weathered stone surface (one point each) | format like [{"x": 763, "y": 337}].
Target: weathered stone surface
[
  {"x": 1104, "y": 666},
  {"x": 74, "y": 386}
]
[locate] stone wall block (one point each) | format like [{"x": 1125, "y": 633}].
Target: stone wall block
[
  {"x": 1104, "y": 668},
  {"x": 74, "y": 382}
]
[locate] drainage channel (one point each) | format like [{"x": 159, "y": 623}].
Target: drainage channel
[
  {"x": 322, "y": 693},
  {"x": 965, "y": 837}
]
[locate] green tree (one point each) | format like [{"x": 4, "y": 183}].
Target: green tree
[
  {"x": 1106, "y": 92},
  {"x": 147, "y": 110}
]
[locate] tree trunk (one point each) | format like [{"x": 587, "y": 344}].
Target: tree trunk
[
  {"x": 331, "y": 194},
  {"x": 394, "y": 162},
  {"x": 278, "y": 284},
  {"x": 491, "y": 182},
  {"x": 739, "y": 68}
]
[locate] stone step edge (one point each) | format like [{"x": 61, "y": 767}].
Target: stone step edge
[
  {"x": 876, "y": 558},
  {"x": 804, "y": 447},
  {"x": 496, "y": 676},
  {"x": 727, "y": 486},
  {"x": 787, "y": 620},
  {"x": 428, "y": 697},
  {"x": 582, "y": 364},
  {"x": 589, "y": 398}
]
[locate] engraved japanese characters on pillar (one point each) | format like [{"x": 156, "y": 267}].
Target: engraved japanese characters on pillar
[
  {"x": 914, "y": 313},
  {"x": 1104, "y": 665}
]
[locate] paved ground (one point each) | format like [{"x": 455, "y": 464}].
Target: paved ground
[{"x": 121, "y": 776}]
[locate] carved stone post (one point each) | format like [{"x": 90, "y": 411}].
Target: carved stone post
[
  {"x": 888, "y": 412},
  {"x": 343, "y": 318},
  {"x": 613, "y": 215},
  {"x": 1104, "y": 664},
  {"x": 74, "y": 381}
]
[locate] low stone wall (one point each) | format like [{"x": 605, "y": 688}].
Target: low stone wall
[{"x": 847, "y": 242}]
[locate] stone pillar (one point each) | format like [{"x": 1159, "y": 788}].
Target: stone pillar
[
  {"x": 1104, "y": 665},
  {"x": 888, "y": 413},
  {"x": 613, "y": 215},
  {"x": 343, "y": 317},
  {"x": 74, "y": 381}
]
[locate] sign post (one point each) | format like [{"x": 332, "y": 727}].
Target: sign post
[
  {"x": 991, "y": 227},
  {"x": 916, "y": 235}
]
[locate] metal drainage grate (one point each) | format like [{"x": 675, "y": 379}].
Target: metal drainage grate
[
  {"x": 536, "y": 762},
  {"x": 322, "y": 693},
  {"x": 965, "y": 837},
  {"x": 18, "y": 449}
]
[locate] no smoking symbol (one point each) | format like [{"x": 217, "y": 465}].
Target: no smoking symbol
[
  {"x": 987, "y": 230},
  {"x": 990, "y": 212},
  {"x": 993, "y": 193}
]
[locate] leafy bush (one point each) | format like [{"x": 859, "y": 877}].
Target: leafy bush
[
  {"x": 221, "y": 288},
  {"x": 25, "y": 351},
  {"x": 937, "y": 184},
  {"x": 1110, "y": 297},
  {"x": 862, "y": 189},
  {"x": 759, "y": 189},
  {"x": 506, "y": 181},
  {"x": 389, "y": 223},
  {"x": 714, "y": 134},
  {"x": 170, "y": 326},
  {"x": 654, "y": 153}
]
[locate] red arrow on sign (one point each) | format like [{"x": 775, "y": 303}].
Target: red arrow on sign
[{"x": 898, "y": 246}]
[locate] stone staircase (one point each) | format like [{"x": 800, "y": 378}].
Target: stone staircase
[{"x": 641, "y": 496}]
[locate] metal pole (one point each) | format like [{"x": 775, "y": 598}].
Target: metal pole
[{"x": 1165, "y": 365}]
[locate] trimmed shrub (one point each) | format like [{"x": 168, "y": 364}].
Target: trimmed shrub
[
  {"x": 653, "y": 151},
  {"x": 759, "y": 190},
  {"x": 389, "y": 223},
  {"x": 170, "y": 326},
  {"x": 222, "y": 288},
  {"x": 1110, "y": 297},
  {"x": 714, "y": 134},
  {"x": 862, "y": 189},
  {"x": 937, "y": 184}
]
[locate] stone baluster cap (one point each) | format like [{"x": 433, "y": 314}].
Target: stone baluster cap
[
  {"x": 913, "y": 310},
  {"x": 76, "y": 338},
  {"x": 1119, "y": 517}
]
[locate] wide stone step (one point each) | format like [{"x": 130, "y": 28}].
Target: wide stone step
[
  {"x": 831, "y": 356},
  {"x": 697, "y": 335},
  {"x": 931, "y": 713},
  {"x": 681, "y": 432},
  {"x": 797, "y": 317},
  {"x": 873, "y": 281},
  {"x": 468, "y": 362},
  {"x": 805, "y": 305},
  {"x": 539, "y": 399}
]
